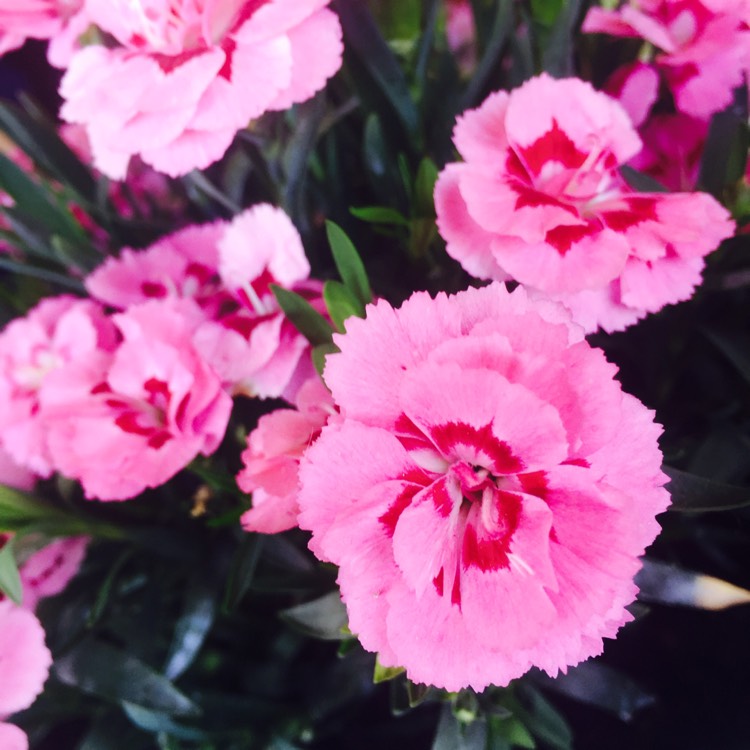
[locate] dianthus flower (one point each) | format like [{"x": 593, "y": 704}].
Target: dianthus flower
[
  {"x": 705, "y": 45},
  {"x": 186, "y": 75},
  {"x": 123, "y": 421},
  {"x": 60, "y": 21},
  {"x": 488, "y": 492},
  {"x": 539, "y": 198},
  {"x": 24, "y": 667},
  {"x": 271, "y": 460},
  {"x": 55, "y": 333},
  {"x": 227, "y": 268}
]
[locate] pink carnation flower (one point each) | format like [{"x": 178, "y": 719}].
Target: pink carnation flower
[
  {"x": 227, "y": 269},
  {"x": 187, "y": 75},
  {"x": 488, "y": 492},
  {"x": 24, "y": 659},
  {"x": 271, "y": 461},
  {"x": 60, "y": 21},
  {"x": 539, "y": 199},
  {"x": 705, "y": 45},
  {"x": 124, "y": 421},
  {"x": 57, "y": 332},
  {"x": 12, "y": 737},
  {"x": 636, "y": 87}
]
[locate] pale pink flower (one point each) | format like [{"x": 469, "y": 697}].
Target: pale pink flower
[
  {"x": 488, "y": 492},
  {"x": 12, "y": 737},
  {"x": 60, "y": 21},
  {"x": 539, "y": 198},
  {"x": 188, "y": 74},
  {"x": 461, "y": 34},
  {"x": 49, "y": 570},
  {"x": 705, "y": 45},
  {"x": 57, "y": 332},
  {"x": 124, "y": 421},
  {"x": 271, "y": 460},
  {"x": 227, "y": 269},
  {"x": 672, "y": 150},
  {"x": 24, "y": 658}
]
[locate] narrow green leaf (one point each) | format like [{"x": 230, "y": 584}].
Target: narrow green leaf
[
  {"x": 557, "y": 47},
  {"x": 384, "y": 674},
  {"x": 598, "y": 685},
  {"x": 157, "y": 722},
  {"x": 79, "y": 254},
  {"x": 543, "y": 720},
  {"x": 379, "y": 215},
  {"x": 193, "y": 625},
  {"x": 18, "y": 508},
  {"x": 242, "y": 572},
  {"x": 417, "y": 693},
  {"x": 349, "y": 264},
  {"x": 308, "y": 321},
  {"x": 424, "y": 187},
  {"x": 319, "y": 354},
  {"x": 546, "y": 12},
  {"x": 35, "y": 201},
  {"x": 25, "y": 269},
  {"x": 43, "y": 144},
  {"x": 341, "y": 304},
  {"x": 509, "y": 730},
  {"x": 725, "y": 152},
  {"x": 641, "y": 182},
  {"x": 696, "y": 494},
  {"x": 323, "y": 618},
  {"x": 363, "y": 39},
  {"x": 10, "y": 579},
  {"x": 100, "y": 669}
]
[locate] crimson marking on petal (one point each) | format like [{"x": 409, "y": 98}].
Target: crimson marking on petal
[
  {"x": 640, "y": 208},
  {"x": 47, "y": 573},
  {"x": 155, "y": 388},
  {"x": 562, "y": 238},
  {"x": 128, "y": 422},
  {"x": 535, "y": 483},
  {"x": 153, "y": 289},
  {"x": 491, "y": 552},
  {"x": 389, "y": 519},
  {"x": 448, "y": 436},
  {"x": 554, "y": 145},
  {"x": 158, "y": 439},
  {"x": 100, "y": 388},
  {"x": 530, "y": 196},
  {"x": 201, "y": 273},
  {"x": 577, "y": 462},
  {"x": 441, "y": 498},
  {"x": 438, "y": 582}
]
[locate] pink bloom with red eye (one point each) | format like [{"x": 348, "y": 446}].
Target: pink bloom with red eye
[
  {"x": 271, "y": 461},
  {"x": 124, "y": 421},
  {"x": 705, "y": 46},
  {"x": 488, "y": 492},
  {"x": 187, "y": 75},
  {"x": 60, "y": 21},
  {"x": 539, "y": 198},
  {"x": 57, "y": 332},
  {"x": 24, "y": 658},
  {"x": 49, "y": 570},
  {"x": 672, "y": 150},
  {"x": 227, "y": 269}
]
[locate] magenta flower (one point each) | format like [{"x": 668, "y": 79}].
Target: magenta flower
[
  {"x": 488, "y": 492},
  {"x": 124, "y": 421},
  {"x": 271, "y": 460},
  {"x": 185, "y": 76},
  {"x": 705, "y": 45},
  {"x": 227, "y": 268},
  {"x": 539, "y": 198}
]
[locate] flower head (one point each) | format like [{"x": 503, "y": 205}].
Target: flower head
[
  {"x": 540, "y": 199},
  {"x": 185, "y": 76},
  {"x": 488, "y": 490}
]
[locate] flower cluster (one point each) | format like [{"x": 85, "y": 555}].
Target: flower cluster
[{"x": 122, "y": 402}]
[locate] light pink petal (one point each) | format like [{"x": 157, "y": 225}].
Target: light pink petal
[
  {"x": 479, "y": 133},
  {"x": 636, "y": 87},
  {"x": 48, "y": 571},
  {"x": 12, "y": 737}
]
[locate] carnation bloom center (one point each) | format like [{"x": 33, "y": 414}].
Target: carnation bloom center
[
  {"x": 476, "y": 484},
  {"x": 555, "y": 167},
  {"x": 146, "y": 416},
  {"x": 30, "y": 375}
]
